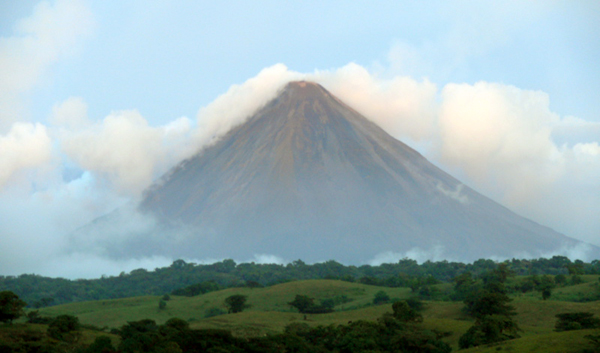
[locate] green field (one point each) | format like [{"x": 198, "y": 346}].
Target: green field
[
  {"x": 272, "y": 300},
  {"x": 270, "y": 313}
]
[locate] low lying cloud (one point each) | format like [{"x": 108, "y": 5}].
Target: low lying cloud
[
  {"x": 420, "y": 255},
  {"x": 455, "y": 194}
]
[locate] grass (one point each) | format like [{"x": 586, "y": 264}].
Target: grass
[
  {"x": 115, "y": 313},
  {"x": 35, "y": 334},
  {"x": 270, "y": 313},
  {"x": 556, "y": 342}
]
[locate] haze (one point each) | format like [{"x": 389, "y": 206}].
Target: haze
[{"x": 98, "y": 100}]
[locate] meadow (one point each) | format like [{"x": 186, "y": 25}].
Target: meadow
[{"x": 269, "y": 312}]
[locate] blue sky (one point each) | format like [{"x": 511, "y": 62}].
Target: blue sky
[{"x": 97, "y": 99}]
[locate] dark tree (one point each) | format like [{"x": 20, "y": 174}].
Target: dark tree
[
  {"x": 139, "y": 336},
  {"x": 381, "y": 297},
  {"x": 101, "y": 344},
  {"x": 62, "y": 326},
  {"x": 302, "y": 302},
  {"x": 490, "y": 307},
  {"x": 546, "y": 286},
  {"x": 11, "y": 307},
  {"x": 463, "y": 284},
  {"x": 576, "y": 321},
  {"x": 236, "y": 303},
  {"x": 560, "y": 280},
  {"x": 403, "y": 312}
]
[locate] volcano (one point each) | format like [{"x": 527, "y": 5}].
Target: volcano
[{"x": 307, "y": 177}]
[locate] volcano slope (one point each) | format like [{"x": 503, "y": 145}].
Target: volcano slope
[{"x": 308, "y": 177}]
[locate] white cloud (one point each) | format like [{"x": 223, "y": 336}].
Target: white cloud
[
  {"x": 401, "y": 105},
  {"x": 501, "y": 137},
  {"x": 240, "y": 102},
  {"x": 25, "y": 147},
  {"x": 71, "y": 113},
  {"x": 454, "y": 194},
  {"x": 436, "y": 253},
  {"x": 126, "y": 151},
  {"x": 267, "y": 259}
]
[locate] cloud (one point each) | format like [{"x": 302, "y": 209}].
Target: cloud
[
  {"x": 25, "y": 147},
  {"x": 51, "y": 33},
  {"x": 267, "y": 259},
  {"x": 239, "y": 102},
  {"x": 436, "y": 253},
  {"x": 499, "y": 139},
  {"x": 403, "y": 106},
  {"x": 71, "y": 114},
  {"x": 500, "y": 136},
  {"x": 35, "y": 222},
  {"x": 124, "y": 149},
  {"x": 456, "y": 194}
]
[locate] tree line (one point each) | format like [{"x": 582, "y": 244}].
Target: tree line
[{"x": 39, "y": 291}]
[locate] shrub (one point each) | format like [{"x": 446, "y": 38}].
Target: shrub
[
  {"x": 214, "y": 311},
  {"x": 576, "y": 321},
  {"x": 62, "y": 326},
  {"x": 381, "y": 297},
  {"x": 236, "y": 303}
]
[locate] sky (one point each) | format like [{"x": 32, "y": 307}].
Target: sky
[{"x": 99, "y": 99}]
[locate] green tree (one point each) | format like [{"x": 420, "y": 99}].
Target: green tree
[
  {"x": 302, "y": 302},
  {"x": 491, "y": 310},
  {"x": 381, "y": 297},
  {"x": 139, "y": 336},
  {"x": 403, "y": 312},
  {"x": 63, "y": 327},
  {"x": 463, "y": 284},
  {"x": 489, "y": 329},
  {"x": 101, "y": 344},
  {"x": 576, "y": 321},
  {"x": 546, "y": 286},
  {"x": 11, "y": 307},
  {"x": 162, "y": 304},
  {"x": 560, "y": 280},
  {"x": 236, "y": 303}
]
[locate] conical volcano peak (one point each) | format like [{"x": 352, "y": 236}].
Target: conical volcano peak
[
  {"x": 305, "y": 90},
  {"x": 303, "y": 85},
  {"x": 307, "y": 176}
]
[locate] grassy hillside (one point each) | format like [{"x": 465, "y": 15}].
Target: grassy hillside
[
  {"x": 270, "y": 313},
  {"x": 115, "y": 313}
]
